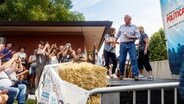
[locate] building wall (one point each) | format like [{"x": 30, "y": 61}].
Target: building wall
[{"x": 31, "y": 40}]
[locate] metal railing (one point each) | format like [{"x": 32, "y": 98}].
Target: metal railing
[{"x": 135, "y": 88}]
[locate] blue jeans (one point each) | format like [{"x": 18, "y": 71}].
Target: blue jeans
[
  {"x": 18, "y": 92},
  {"x": 12, "y": 93},
  {"x": 130, "y": 48},
  {"x": 22, "y": 93}
]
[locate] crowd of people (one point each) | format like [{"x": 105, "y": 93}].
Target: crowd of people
[{"x": 20, "y": 73}]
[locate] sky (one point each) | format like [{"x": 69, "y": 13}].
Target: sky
[{"x": 145, "y": 13}]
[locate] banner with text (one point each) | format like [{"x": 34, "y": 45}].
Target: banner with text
[
  {"x": 53, "y": 90},
  {"x": 173, "y": 19}
]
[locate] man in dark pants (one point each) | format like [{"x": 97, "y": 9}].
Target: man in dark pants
[
  {"x": 41, "y": 60},
  {"x": 109, "y": 51}
]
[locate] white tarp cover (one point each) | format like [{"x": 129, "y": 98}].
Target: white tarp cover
[{"x": 53, "y": 90}]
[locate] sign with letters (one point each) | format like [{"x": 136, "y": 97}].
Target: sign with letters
[
  {"x": 173, "y": 19},
  {"x": 53, "y": 90}
]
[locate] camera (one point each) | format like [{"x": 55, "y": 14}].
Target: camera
[{"x": 67, "y": 45}]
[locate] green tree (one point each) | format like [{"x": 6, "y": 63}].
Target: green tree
[
  {"x": 157, "y": 46},
  {"x": 39, "y": 10}
]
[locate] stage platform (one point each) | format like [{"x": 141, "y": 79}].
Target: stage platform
[{"x": 130, "y": 81}]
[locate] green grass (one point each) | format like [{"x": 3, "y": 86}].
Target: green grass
[{"x": 29, "y": 101}]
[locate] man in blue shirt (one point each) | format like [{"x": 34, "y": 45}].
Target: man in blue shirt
[
  {"x": 7, "y": 53},
  {"x": 128, "y": 33}
]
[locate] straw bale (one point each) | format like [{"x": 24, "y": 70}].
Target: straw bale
[
  {"x": 94, "y": 100},
  {"x": 85, "y": 75}
]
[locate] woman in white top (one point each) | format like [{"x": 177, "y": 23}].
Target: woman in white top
[
  {"x": 22, "y": 54},
  {"x": 53, "y": 56}
]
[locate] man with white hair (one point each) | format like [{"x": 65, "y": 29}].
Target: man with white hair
[{"x": 128, "y": 33}]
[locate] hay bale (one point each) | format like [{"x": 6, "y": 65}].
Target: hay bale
[
  {"x": 94, "y": 100},
  {"x": 85, "y": 75}
]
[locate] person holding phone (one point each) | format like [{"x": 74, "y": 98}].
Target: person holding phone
[{"x": 13, "y": 91}]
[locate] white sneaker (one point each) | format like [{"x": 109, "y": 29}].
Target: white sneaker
[
  {"x": 141, "y": 76},
  {"x": 114, "y": 76},
  {"x": 151, "y": 77}
]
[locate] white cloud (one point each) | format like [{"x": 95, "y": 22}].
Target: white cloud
[{"x": 82, "y": 4}]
